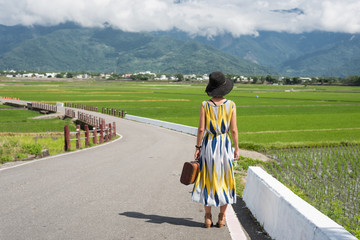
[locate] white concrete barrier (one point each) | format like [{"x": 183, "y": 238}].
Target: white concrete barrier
[
  {"x": 60, "y": 104},
  {"x": 283, "y": 214},
  {"x": 168, "y": 125}
]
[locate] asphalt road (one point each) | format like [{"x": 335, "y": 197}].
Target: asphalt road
[{"x": 128, "y": 189}]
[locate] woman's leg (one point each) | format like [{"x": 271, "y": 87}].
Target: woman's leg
[
  {"x": 208, "y": 217},
  {"x": 221, "y": 220},
  {"x": 207, "y": 209},
  {"x": 223, "y": 208}
]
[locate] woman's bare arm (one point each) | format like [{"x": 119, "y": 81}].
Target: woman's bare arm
[
  {"x": 200, "y": 133},
  {"x": 234, "y": 133}
]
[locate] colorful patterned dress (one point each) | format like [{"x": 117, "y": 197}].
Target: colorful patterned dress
[{"x": 215, "y": 184}]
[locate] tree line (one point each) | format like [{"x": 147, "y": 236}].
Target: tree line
[
  {"x": 349, "y": 80},
  {"x": 353, "y": 80}
]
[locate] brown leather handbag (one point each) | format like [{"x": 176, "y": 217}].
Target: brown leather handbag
[{"x": 190, "y": 172}]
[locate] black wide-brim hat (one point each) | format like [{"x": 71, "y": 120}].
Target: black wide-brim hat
[{"x": 218, "y": 85}]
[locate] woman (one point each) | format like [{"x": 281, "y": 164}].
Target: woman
[{"x": 215, "y": 184}]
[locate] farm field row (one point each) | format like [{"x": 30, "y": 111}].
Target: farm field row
[
  {"x": 328, "y": 177},
  {"x": 266, "y": 114}
]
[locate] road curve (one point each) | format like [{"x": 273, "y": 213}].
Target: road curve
[{"x": 128, "y": 189}]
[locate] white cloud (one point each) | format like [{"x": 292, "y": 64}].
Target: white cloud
[{"x": 198, "y": 17}]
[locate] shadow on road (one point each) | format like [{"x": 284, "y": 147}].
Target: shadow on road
[{"x": 163, "y": 219}]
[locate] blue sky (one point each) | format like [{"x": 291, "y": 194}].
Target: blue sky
[{"x": 197, "y": 17}]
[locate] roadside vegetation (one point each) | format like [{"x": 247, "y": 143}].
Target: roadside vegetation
[
  {"x": 4, "y": 107},
  {"x": 311, "y": 131},
  {"x": 22, "y": 137}
]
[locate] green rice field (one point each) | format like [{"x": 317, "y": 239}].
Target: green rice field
[
  {"x": 266, "y": 114},
  {"x": 21, "y": 121},
  {"x": 328, "y": 177},
  {"x": 4, "y": 107}
]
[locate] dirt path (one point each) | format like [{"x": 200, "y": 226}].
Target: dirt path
[{"x": 253, "y": 155}]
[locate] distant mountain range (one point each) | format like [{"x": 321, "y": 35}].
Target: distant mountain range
[
  {"x": 68, "y": 47},
  {"x": 307, "y": 54}
]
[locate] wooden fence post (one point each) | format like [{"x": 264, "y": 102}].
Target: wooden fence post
[
  {"x": 78, "y": 140},
  {"x": 114, "y": 129},
  {"x": 94, "y": 135},
  {"x": 101, "y": 134},
  {"x": 110, "y": 132},
  {"x": 87, "y": 137},
  {"x": 106, "y": 134},
  {"x": 67, "y": 138}
]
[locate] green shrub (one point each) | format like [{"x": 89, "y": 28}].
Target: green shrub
[
  {"x": 10, "y": 143},
  {"x": 357, "y": 233},
  {"x": 21, "y": 155},
  {"x": 34, "y": 149},
  {"x": 6, "y": 158}
]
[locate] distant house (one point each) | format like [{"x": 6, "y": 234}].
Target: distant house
[
  {"x": 304, "y": 79},
  {"x": 244, "y": 79},
  {"x": 163, "y": 77},
  {"x": 37, "y": 75},
  {"x": 51, "y": 75},
  {"x": 205, "y": 77},
  {"x": 147, "y": 73},
  {"x": 28, "y": 75},
  {"x": 189, "y": 77},
  {"x": 82, "y": 76}
]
